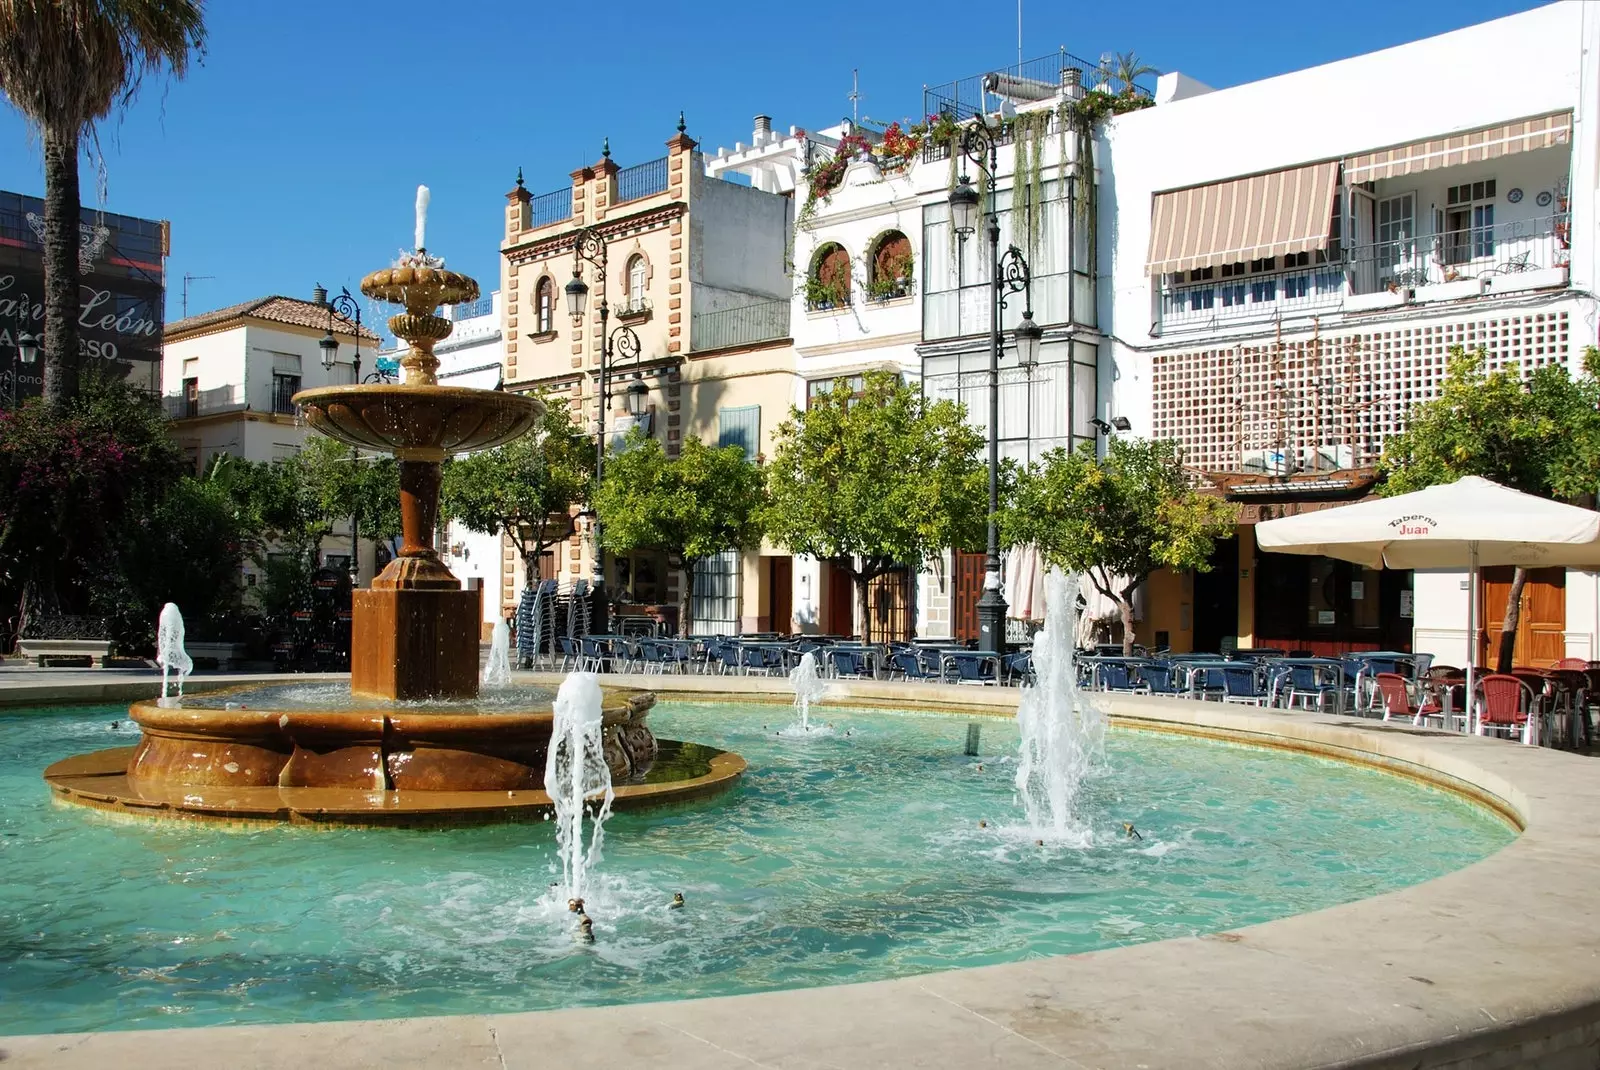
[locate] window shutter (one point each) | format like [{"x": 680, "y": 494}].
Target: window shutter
[{"x": 740, "y": 427}]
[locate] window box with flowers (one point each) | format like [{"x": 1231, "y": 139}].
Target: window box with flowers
[
  {"x": 891, "y": 269},
  {"x": 636, "y": 310},
  {"x": 830, "y": 296}
]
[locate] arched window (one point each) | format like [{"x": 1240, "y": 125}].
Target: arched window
[
  {"x": 890, "y": 269},
  {"x": 828, "y": 285},
  {"x": 546, "y": 298},
  {"x": 637, "y": 276}
]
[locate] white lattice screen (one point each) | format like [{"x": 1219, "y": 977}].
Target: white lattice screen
[{"x": 1340, "y": 394}]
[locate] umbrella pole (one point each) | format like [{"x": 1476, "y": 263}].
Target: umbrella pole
[{"x": 1472, "y": 629}]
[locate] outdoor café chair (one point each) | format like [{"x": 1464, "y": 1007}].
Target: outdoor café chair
[
  {"x": 1395, "y": 693},
  {"x": 970, "y": 667},
  {"x": 1506, "y": 704},
  {"x": 852, "y": 664},
  {"x": 905, "y": 665},
  {"x": 1241, "y": 683}
]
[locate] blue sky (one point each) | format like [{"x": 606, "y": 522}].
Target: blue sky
[{"x": 292, "y": 155}]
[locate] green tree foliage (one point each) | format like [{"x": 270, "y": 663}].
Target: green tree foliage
[
  {"x": 65, "y": 64},
  {"x": 1540, "y": 435},
  {"x": 526, "y": 487},
  {"x": 1116, "y": 519},
  {"x": 877, "y": 481},
  {"x": 704, "y": 501}
]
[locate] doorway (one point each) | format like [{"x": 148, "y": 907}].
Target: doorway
[
  {"x": 838, "y": 601},
  {"x": 780, "y": 594},
  {"x": 968, "y": 588},
  {"x": 1216, "y": 598},
  {"x": 1542, "y": 624}
]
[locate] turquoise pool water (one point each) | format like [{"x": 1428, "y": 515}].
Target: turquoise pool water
[{"x": 849, "y": 857}]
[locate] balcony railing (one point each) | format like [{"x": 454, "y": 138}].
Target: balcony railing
[
  {"x": 642, "y": 180},
  {"x": 468, "y": 310},
  {"x": 1034, "y": 79},
  {"x": 745, "y": 325},
  {"x": 552, "y": 207},
  {"x": 1506, "y": 256}
]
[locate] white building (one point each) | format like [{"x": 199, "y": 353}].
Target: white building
[
  {"x": 1290, "y": 261},
  {"x": 229, "y": 378},
  {"x": 882, "y": 283}
]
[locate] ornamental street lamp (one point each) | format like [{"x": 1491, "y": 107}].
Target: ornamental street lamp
[
  {"x": 1010, "y": 275},
  {"x": 589, "y": 245},
  {"x": 27, "y": 349},
  {"x": 346, "y": 306}
]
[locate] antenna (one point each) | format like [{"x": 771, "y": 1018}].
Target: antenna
[
  {"x": 1019, "y": 38},
  {"x": 187, "y": 279},
  {"x": 855, "y": 95}
]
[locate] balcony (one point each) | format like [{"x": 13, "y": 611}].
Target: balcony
[
  {"x": 552, "y": 207},
  {"x": 642, "y": 180},
  {"x": 1526, "y": 254},
  {"x": 764, "y": 321}
]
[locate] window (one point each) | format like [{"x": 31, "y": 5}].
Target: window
[
  {"x": 1397, "y": 226},
  {"x": 1468, "y": 231},
  {"x": 828, "y": 284},
  {"x": 1264, "y": 290},
  {"x": 1204, "y": 274},
  {"x": 1232, "y": 294},
  {"x": 191, "y": 396},
  {"x": 284, "y": 388},
  {"x": 637, "y": 276},
  {"x": 817, "y": 387},
  {"x": 1201, "y": 298},
  {"x": 715, "y": 605},
  {"x": 545, "y": 298},
  {"x": 740, "y": 427},
  {"x": 890, "y": 270},
  {"x": 1296, "y": 286}
]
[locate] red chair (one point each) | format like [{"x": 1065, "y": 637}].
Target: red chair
[
  {"x": 1506, "y": 704},
  {"x": 1397, "y": 700}
]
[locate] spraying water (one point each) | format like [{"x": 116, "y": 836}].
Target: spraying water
[
  {"x": 497, "y": 670},
  {"x": 423, "y": 197},
  {"x": 170, "y": 654},
  {"x": 809, "y": 687},
  {"x": 575, "y": 770},
  {"x": 1062, "y": 733}
]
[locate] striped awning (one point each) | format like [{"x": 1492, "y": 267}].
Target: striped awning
[
  {"x": 1472, "y": 146},
  {"x": 1274, "y": 214}
]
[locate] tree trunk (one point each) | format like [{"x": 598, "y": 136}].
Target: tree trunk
[
  {"x": 1513, "y": 618},
  {"x": 61, "y": 294},
  {"x": 1125, "y": 607},
  {"x": 686, "y": 598},
  {"x": 861, "y": 581}
]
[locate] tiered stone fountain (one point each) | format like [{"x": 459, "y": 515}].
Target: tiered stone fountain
[{"x": 409, "y": 745}]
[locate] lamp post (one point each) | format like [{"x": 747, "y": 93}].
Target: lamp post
[
  {"x": 589, "y": 245},
  {"x": 1009, "y": 275},
  {"x": 346, "y": 306},
  {"x": 27, "y": 349}
]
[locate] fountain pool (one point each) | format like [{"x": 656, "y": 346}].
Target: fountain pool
[{"x": 851, "y": 859}]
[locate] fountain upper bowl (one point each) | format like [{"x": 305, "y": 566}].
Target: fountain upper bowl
[
  {"x": 419, "y": 287},
  {"x": 419, "y": 422}
]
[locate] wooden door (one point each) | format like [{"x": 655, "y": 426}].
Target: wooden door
[
  {"x": 838, "y": 601},
  {"x": 780, "y": 593},
  {"x": 968, "y": 588},
  {"x": 1541, "y": 627}
]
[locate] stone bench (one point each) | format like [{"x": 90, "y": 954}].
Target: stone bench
[{"x": 40, "y": 649}]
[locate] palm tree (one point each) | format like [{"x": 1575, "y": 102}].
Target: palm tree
[
  {"x": 65, "y": 64},
  {"x": 1124, "y": 67}
]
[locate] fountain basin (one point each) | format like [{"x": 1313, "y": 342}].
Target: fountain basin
[
  {"x": 420, "y": 423},
  {"x": 368, "y": 748}
]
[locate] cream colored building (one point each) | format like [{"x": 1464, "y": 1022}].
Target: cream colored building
[{"x": 698, "y": 268}]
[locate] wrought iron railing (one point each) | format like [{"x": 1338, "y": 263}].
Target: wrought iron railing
[
  {"x": 1034, "y": 79},
  {"x": 284, "y": 388},
  {"x": 1400, "y": 266},
  {"x": 467, "y": 310},
  {"x": 63, "y": 626},
  {"x": 642, "y": 180},
  {"x": 746, "y": 325},
  {"x": 552, "y": 207}
]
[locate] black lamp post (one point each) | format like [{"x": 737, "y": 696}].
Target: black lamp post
[
  {"x": 346, "y": 306},
  {"x": 1010, "y": 275},
  {"x": 27, "y": 349},
  {"x": 589, "y": 245}
]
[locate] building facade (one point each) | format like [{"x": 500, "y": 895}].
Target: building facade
[
  {"x": 1292, "y": 261},
  {"x": 695, "y": 267},
  {"x": 228, "y": 380}
]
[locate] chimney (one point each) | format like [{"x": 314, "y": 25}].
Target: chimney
[
  {"x": 1071, "y": 82},
  {"x": 319, "y": 296},
  {"x": 763, "y": 132}
]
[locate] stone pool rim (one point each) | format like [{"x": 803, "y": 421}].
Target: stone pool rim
[{"x": 1497, "y": 963}]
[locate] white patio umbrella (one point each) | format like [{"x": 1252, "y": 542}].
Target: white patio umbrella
[
  {"x": 1466, "y": 524},
  {"x": 1024, "y": 583}
]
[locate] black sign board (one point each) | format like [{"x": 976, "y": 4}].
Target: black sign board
[{"x": 123, "y": 291}]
